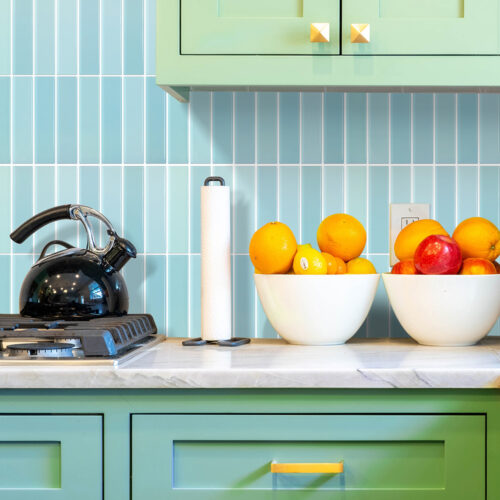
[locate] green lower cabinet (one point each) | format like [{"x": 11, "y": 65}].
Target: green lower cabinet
[
  {"x": 46, "y": 457},
  {"x": 384, "y": 457}
]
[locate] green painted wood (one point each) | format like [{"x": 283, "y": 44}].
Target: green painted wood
[
  {"x": 386, "y": 457},
  {"x": 257, "y": 27},
  {"x": 423, "y": 26},
  {"x": 45, "y": 457}
]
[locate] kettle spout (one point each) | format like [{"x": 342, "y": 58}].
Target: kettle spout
[{"x": 120, "y": 253}]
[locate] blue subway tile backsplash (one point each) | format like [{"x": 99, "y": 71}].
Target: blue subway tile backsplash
[{"x": 82, "y": 120}]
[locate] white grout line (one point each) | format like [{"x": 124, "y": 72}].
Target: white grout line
[
  {"x": 367, "y": 131},
  {"x": 412, "y": 165},
  {"x": 456, "y": 160},
  {"x": 233, "y": 218},
  {"x": 144, "y": 192},
  {"x": 166, "y": 188},
  {"x": 122, "y": 111},
  {"x": 345, "y": 153},
  {"x": 301, "y": 236},
  {"x": 211, "y": 133},
  {"x": 478, "y": 207},
  {"x": 433, "y": 156},
  {"x": 322, "y": 194},
  {"x": 100, "y": 120},
  {"x": 189, "y": 219},
  {"x": 389, "y": 169},
  {"x": 77, "y": 113},
  {"x": 33, "y": 115},
  {"x": 256, "y": 197}
]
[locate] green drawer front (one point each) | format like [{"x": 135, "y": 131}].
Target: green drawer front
[
  {"x": 423, "y": 26},
  {"x": 257, "y": 26},
  {"x": 386, "y": 457},
  {"x": 50, "y": 457}
]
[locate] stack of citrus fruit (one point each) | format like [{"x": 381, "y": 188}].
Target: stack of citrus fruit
[
  {"x": 424, "y": 247},
  {"x": 341, "y": 240}
]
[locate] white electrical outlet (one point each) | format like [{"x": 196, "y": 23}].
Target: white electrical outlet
[{"x": 402, "y": 214}]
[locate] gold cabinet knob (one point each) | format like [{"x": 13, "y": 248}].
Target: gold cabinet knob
[
  {"x": 320, "y": 32},
  {"x": 360, "y": 33}
]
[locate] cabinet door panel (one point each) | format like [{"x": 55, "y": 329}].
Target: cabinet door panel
[
  {"x": 418, "y": 27},
  {"x": 257, "y": 27}
]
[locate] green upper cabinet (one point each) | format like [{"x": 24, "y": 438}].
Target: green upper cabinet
[
  {"x": 257, "y": 26},
  {"x": 419, "y": 27}
]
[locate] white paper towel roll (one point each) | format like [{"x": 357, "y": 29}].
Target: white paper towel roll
[{"x": 215, "y": 263}]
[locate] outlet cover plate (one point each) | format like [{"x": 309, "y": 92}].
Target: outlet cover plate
[{"x": 402, "y": 214}]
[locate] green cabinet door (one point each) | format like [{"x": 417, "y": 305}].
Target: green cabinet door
[
  {"x": 51, "y": 457},
  {"x": 257, "y": 26},
  {"x": 418, "y": 27},
  {"x": 385, "y": 457}
]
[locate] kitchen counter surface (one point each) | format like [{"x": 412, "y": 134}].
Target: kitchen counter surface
[{"x": 364, "y": 363}]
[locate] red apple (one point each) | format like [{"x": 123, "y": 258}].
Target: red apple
[{"x": 438, "y": 254}]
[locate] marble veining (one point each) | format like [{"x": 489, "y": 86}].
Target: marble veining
[{"x": 363, "y": 363}]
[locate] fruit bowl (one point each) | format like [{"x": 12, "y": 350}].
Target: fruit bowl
[
  {"x": 445, "y": 310},
  {"x": 316, "y": 310}
]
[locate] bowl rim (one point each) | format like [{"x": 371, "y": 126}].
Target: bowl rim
[{"x": 442, "y": 276}]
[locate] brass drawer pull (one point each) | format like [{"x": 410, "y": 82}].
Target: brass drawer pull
[
  {"x": 326, "y": 468},
  {"x": 320, "y": 32},
  {"x": 360, "y": 33}
]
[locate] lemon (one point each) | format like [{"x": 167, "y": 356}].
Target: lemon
[
  {"x": 360, "y": 266},
  {"x": 307, "y": 260}
]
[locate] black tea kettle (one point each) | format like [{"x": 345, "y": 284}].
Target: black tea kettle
[{"x": 75, "y": 283}]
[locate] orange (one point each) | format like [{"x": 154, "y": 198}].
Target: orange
[
  {"x": 413, "y": 234},
  {"x": 477, "y": 266},
  {"x": 331, "y": 263},
  {"x": 478, "y": 237},
  {"x": 405, "y": 267},
  {"x": 341, "y": 266},
  {"x": 308, "y": 260},
  {"x": 272, "y": 248},
  {"x": 341, "y": 235},
  {"x": 360, "y": 265}
]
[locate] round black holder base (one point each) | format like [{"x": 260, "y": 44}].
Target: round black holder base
[{"x": 232, "y": 342}]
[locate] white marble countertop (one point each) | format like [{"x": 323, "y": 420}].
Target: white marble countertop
[{"x": 366, "y": 363}]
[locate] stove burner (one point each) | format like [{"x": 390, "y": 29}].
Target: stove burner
[{"x": 45, "y": 349}]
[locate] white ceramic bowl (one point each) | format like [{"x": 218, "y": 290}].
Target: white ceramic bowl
[
  {"x": 316, "y": 310},
  {"x": 450, "y": 310}
]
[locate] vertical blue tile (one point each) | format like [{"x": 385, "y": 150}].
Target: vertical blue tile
[
  {"x": 244, "y": 210},
  {"x": 378, "y": 211},
  {"x": 67, "y": 120},
  {"x": 400, "y": 184},
  {"x": 90, "y": 186},
  {"x": 22, "y": 37},
  {"x": 133, "y": 273},
  {"x": 445, "y": 197},
  {"x": 226, "y": 172},
  {"x": 489, "y": 206},
  {"x": 155, "y": 122},
  {"x": 312, "y": 127},
  {"x": 5, "y": 273},
  {"x": 111, "y": 202},
  {"x": 356, "y": 128},
  {"x": 177, "y": 131},
  {"x": 333, "y": 190},
  {"x": 44, "y": 120},
  {"x": 311, "y": 203},
  {"x": 89, "y": 120},
  {"x": 45, "y": 197},
  {"x": 21, "y": 266},
  {"x": 133, "y": 210},
  {"x": 467, "y": 192},
  {"x": 289, "y": 196},
  {"x": 200, "y": 127},
  {"x": 377, "y": 324},
  {"x": 445, "y": 128},
  {"x": 133, "y": 45},
  {"x": 177, "y": 209},
  {"x": 67, "y": 56},
  {"x": 177, "y": 286},
  {"x": 423, "y": 185},
  {"x": 89, "y": 37},
  {"x": 267, "y": 189},
  {"x": 22, "y": 198},
  {"x": 111, "y": 110},
  {"x": 150, "y": 37},
  {"x": 222, "y": 127},
  {"x": 263, "y": 327},
  {"x": 267, "y": 127},
  {"x": 22, "y": 126},
  {"x": 397, "y": 331},
  {"x": 156, "y": 184},
  {"x": 423, "y": 128},
  {"x": 195, "y": 296},
  {"x": 334, "y": 128},
  {"x": 400, "y": 128},
  {"x": 156, "y": 285},
  {"x": 67, "y": 194},
  {"x": 5, "y": 127},
  {"x": 44, "y": 37},
  {"x": 467, "y": 128},
  {"x": 378, "y": 128},
  {"x": 4, "y": 37},
  {"x": 111, "y": 43},
  {"x": 356, "y": 192},
  {"x": 198, "y": 175},
  {"x": 244, "y": 127},
  {"x": 133, "y": 120},
  {"x": 489, "y": 126},
  {"x": 5, "y": 202},
  {"x": 244, "y": 297},
  {"x": 289, "y": 127}
]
